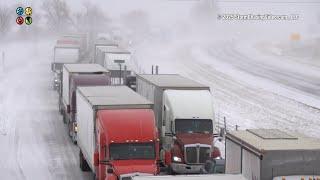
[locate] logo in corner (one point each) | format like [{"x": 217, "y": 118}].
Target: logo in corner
[{"x": 19, "y": 11}]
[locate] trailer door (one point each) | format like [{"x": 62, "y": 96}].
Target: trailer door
[
  {"x": 233, "y": 157},
  {"x": 250, "y": 165}
]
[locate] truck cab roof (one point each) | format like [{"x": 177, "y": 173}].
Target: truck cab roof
[
  {"x": 101, "y": 42},
  {"x": 139, "y": 122},
  {"x": 192, "y": 177},
  {"x": 113, "y": 50},
  {"x": 199, "y": 105},
  {"x": 85, "y": 68},
  {"x": 67, "y": 46},
  {"x": 171, "y": 81},
  {"x": 114, "y": 97}
]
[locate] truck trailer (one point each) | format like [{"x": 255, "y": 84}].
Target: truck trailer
[
  {"x": 83, "y": 40},
  {"x": 115, "y": 59},
  {"x": 185, "y": 119},
  {"x": 78, "y": 80},
  {"x": 68, "y": 73},
  {"x": 65, "y": 51},
  {"x": 102, "y": 43},
  {"x": 264, "y": 154},
  {"x": 117, "y": 135},
  {"x": 192, "y": 177}
]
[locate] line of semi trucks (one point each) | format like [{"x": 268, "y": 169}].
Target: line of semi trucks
[{"x": 131, "y": 126}]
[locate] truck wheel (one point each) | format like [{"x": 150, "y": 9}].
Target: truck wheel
[
  {"x": 83, "y": 163},
  {"x": 69, "y": 130},
  {"x": 64, "y": 118},
  {"x": 74, "y": 140},
  {"x": 170, "y": 171},
  {"x": 74, "y": 137},
  {"x": 60, "y": 109}
]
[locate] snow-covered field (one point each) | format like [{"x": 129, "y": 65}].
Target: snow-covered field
[{"x": 33, "y": 138}]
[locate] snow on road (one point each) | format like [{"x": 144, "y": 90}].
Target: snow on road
[
  {"x": 246, "y": 94},
  {"x": 33, "y": 138}
]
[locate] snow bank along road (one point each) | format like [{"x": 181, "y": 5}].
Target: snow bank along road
[{"x": 34, "y": 142}]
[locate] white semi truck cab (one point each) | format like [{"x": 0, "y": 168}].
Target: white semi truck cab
[
  {"x": 188, "y": 128},
  {"x": 185, "y": 119}
]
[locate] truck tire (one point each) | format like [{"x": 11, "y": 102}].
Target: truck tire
[
  {"x": 69, "y": 129},
  {"x": 170, "y": 171},
  {"x": 64, "y": 118},
  {"x": 83, "y": 163},
  {"x": 72, "y": 133},
  {"x": 60, "y": 108}
]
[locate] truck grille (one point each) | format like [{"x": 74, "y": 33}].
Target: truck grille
[
  {"x": 197, "y": 154},
  {"x": 191, "y": 155},
  {"x": 204, "y": 154}
]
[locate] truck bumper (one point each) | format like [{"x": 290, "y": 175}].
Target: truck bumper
[{"x": 186, "y": 169}]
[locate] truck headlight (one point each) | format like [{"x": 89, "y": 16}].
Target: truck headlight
[{"x": 176, "y": 159}]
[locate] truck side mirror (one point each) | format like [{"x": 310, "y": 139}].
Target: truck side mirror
[{"x": 171, "y": 127}]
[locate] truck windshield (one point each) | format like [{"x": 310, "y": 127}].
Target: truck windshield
[
  {"x": 132, "y": 151},
  {"x": 193, "y": 126}
]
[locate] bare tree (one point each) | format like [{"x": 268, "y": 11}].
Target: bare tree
[
  {"x": 205, "y": 10},
  {"x": 57, "y": 15},
  {"x": 5, "y": 18},
  {"x": 137, "y": 20},
  {"x": 92, "y": 19}
]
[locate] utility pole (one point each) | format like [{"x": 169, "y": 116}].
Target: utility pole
[{"x": 120, "y": 62}]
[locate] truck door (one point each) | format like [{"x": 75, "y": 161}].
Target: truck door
[{"x": 102, "y": 156}]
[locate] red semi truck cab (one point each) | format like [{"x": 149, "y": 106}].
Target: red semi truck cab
[
  {"x": 128, "y": 142},
  {"x": 117, "y": 134}
]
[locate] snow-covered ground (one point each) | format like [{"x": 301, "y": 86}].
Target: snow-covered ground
[
  {"x": 33, "y": 138},
  {"x": 249, "y": 89}
]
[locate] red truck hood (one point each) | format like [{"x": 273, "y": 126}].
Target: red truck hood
[
  {"x": 194, "y": 138},
  {"x": 133, "y": 166}
]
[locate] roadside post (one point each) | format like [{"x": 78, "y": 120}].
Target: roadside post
[{"x": 120, "y": 62}]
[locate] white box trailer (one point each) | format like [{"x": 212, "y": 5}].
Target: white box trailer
[
  {"x": 102, "y": 43},
  {"x": 265, "y": 154},
  {"x": 153, "y": 86},
  {"x": 107, "y": 55},
  {"x": 192, "y": 177},
  {"x": 92, "y": 99},
  {"x": 82, "y": 38},
  {"x": 65, "y": 53},
  {"x": 68, "y": 71}
]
